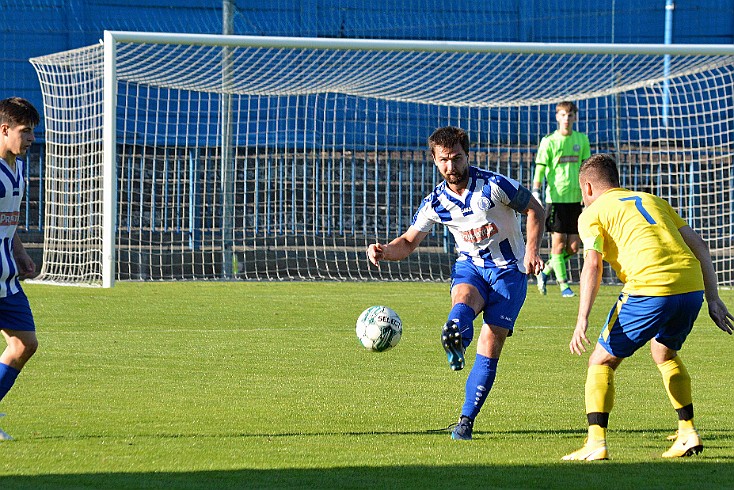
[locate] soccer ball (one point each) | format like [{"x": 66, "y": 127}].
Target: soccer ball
[{"x": 379, "y": 328}]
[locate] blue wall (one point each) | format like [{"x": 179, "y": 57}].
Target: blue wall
[{"x": 40, "y": 27}]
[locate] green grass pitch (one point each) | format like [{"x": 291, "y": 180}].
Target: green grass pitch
[{"x": 252, "y": 385}]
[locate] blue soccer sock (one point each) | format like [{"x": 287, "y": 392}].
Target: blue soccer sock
[
  {"x": 478, "y": 385},
  {"x": 7, "y": 378},
  {"x": 464, "y": 316}
]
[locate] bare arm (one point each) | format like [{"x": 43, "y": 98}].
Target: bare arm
[
  {"x": 26, "y": 266},
  {"x": 590, "y": 281},
  {"x": 717, "y": 309},
  {"x": 538, "y": 183},
  {"x": 397, "y": 249},
  {"x": 535, "y": 227}
]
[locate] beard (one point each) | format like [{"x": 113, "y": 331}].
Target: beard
[{"x": 457, "y": 177}]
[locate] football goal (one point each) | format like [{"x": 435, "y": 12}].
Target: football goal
[{"x": 211, "y": 157}]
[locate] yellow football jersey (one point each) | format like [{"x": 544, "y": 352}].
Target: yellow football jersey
[{"x": 637, "y": 234}]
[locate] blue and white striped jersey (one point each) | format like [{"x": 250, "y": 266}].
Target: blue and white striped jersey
[
  {"x": 12, "y": 188},
  {"x": 484, "y": 221}
]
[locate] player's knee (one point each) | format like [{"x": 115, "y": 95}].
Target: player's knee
[
  {"x": 491, "y": 340},
  {"x": 601, "y": 357},
  {"x": 25, "y": 348},
  {"x": 575, "y": 242},
  {"x": 30, "y": 348}
]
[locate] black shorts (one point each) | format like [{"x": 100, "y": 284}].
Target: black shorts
[{"x": 563, "y": 217}]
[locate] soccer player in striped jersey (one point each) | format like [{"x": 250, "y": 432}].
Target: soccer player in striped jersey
[
  {"x": 558, "y": 160},
  {"x": 18, "y": 118},
  {"x": 667, "y": 270},
  {"x": 481, "y": 209}
]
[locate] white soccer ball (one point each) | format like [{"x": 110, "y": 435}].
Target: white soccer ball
[{"x": 379, "y": 328}]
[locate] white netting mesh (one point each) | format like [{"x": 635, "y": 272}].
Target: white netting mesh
[
  {"x": 72, "y": 217},
  {"x": 457, "y": 79},
  {"x": 324, "y": 149}
]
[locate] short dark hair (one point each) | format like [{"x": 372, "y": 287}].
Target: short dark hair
[
  {"x": 16, "y": 110},
  {"x": 448, "y": 137},
  {"x": 601, "y": 168}
]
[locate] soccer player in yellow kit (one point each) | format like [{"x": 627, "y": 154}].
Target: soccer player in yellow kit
[{"x": 666, "y": 269}]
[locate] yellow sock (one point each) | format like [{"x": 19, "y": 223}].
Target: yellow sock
[
  {"x": 597, "y": 433},
  {"x": 677, "y": 384},
  {"x": 685, "y": 426},
  {"x": 599, "y": 396}
]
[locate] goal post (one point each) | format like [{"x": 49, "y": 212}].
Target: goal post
[
  {"x": 210, "y": 157},
  {"x": 109, "y": 162}
]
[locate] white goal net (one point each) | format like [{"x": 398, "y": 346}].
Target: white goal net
[{"x": 232, "y": 157}]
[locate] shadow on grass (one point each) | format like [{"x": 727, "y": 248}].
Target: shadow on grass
[
  {"x": 597, "y": 475},
  {"x": 701, "y": 471},
  {"x": 443, "y": 432}
]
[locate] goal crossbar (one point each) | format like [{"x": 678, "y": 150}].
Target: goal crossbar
[{"x": 283, "y": 42}]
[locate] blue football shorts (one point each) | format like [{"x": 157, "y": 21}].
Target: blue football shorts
[
  {"x": 15, "y": 313},
  {"x": 634, "y": 320},
  {"x": 503, "y": 290}
]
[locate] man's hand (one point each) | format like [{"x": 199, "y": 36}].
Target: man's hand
[
  {"x": 579, "y": 339},
  {"x": 26, "y": 266},
  {"x": 534, "y": 264},
  {"x": 375, "y": 253},
  {"x": 720, "y": 315}
]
